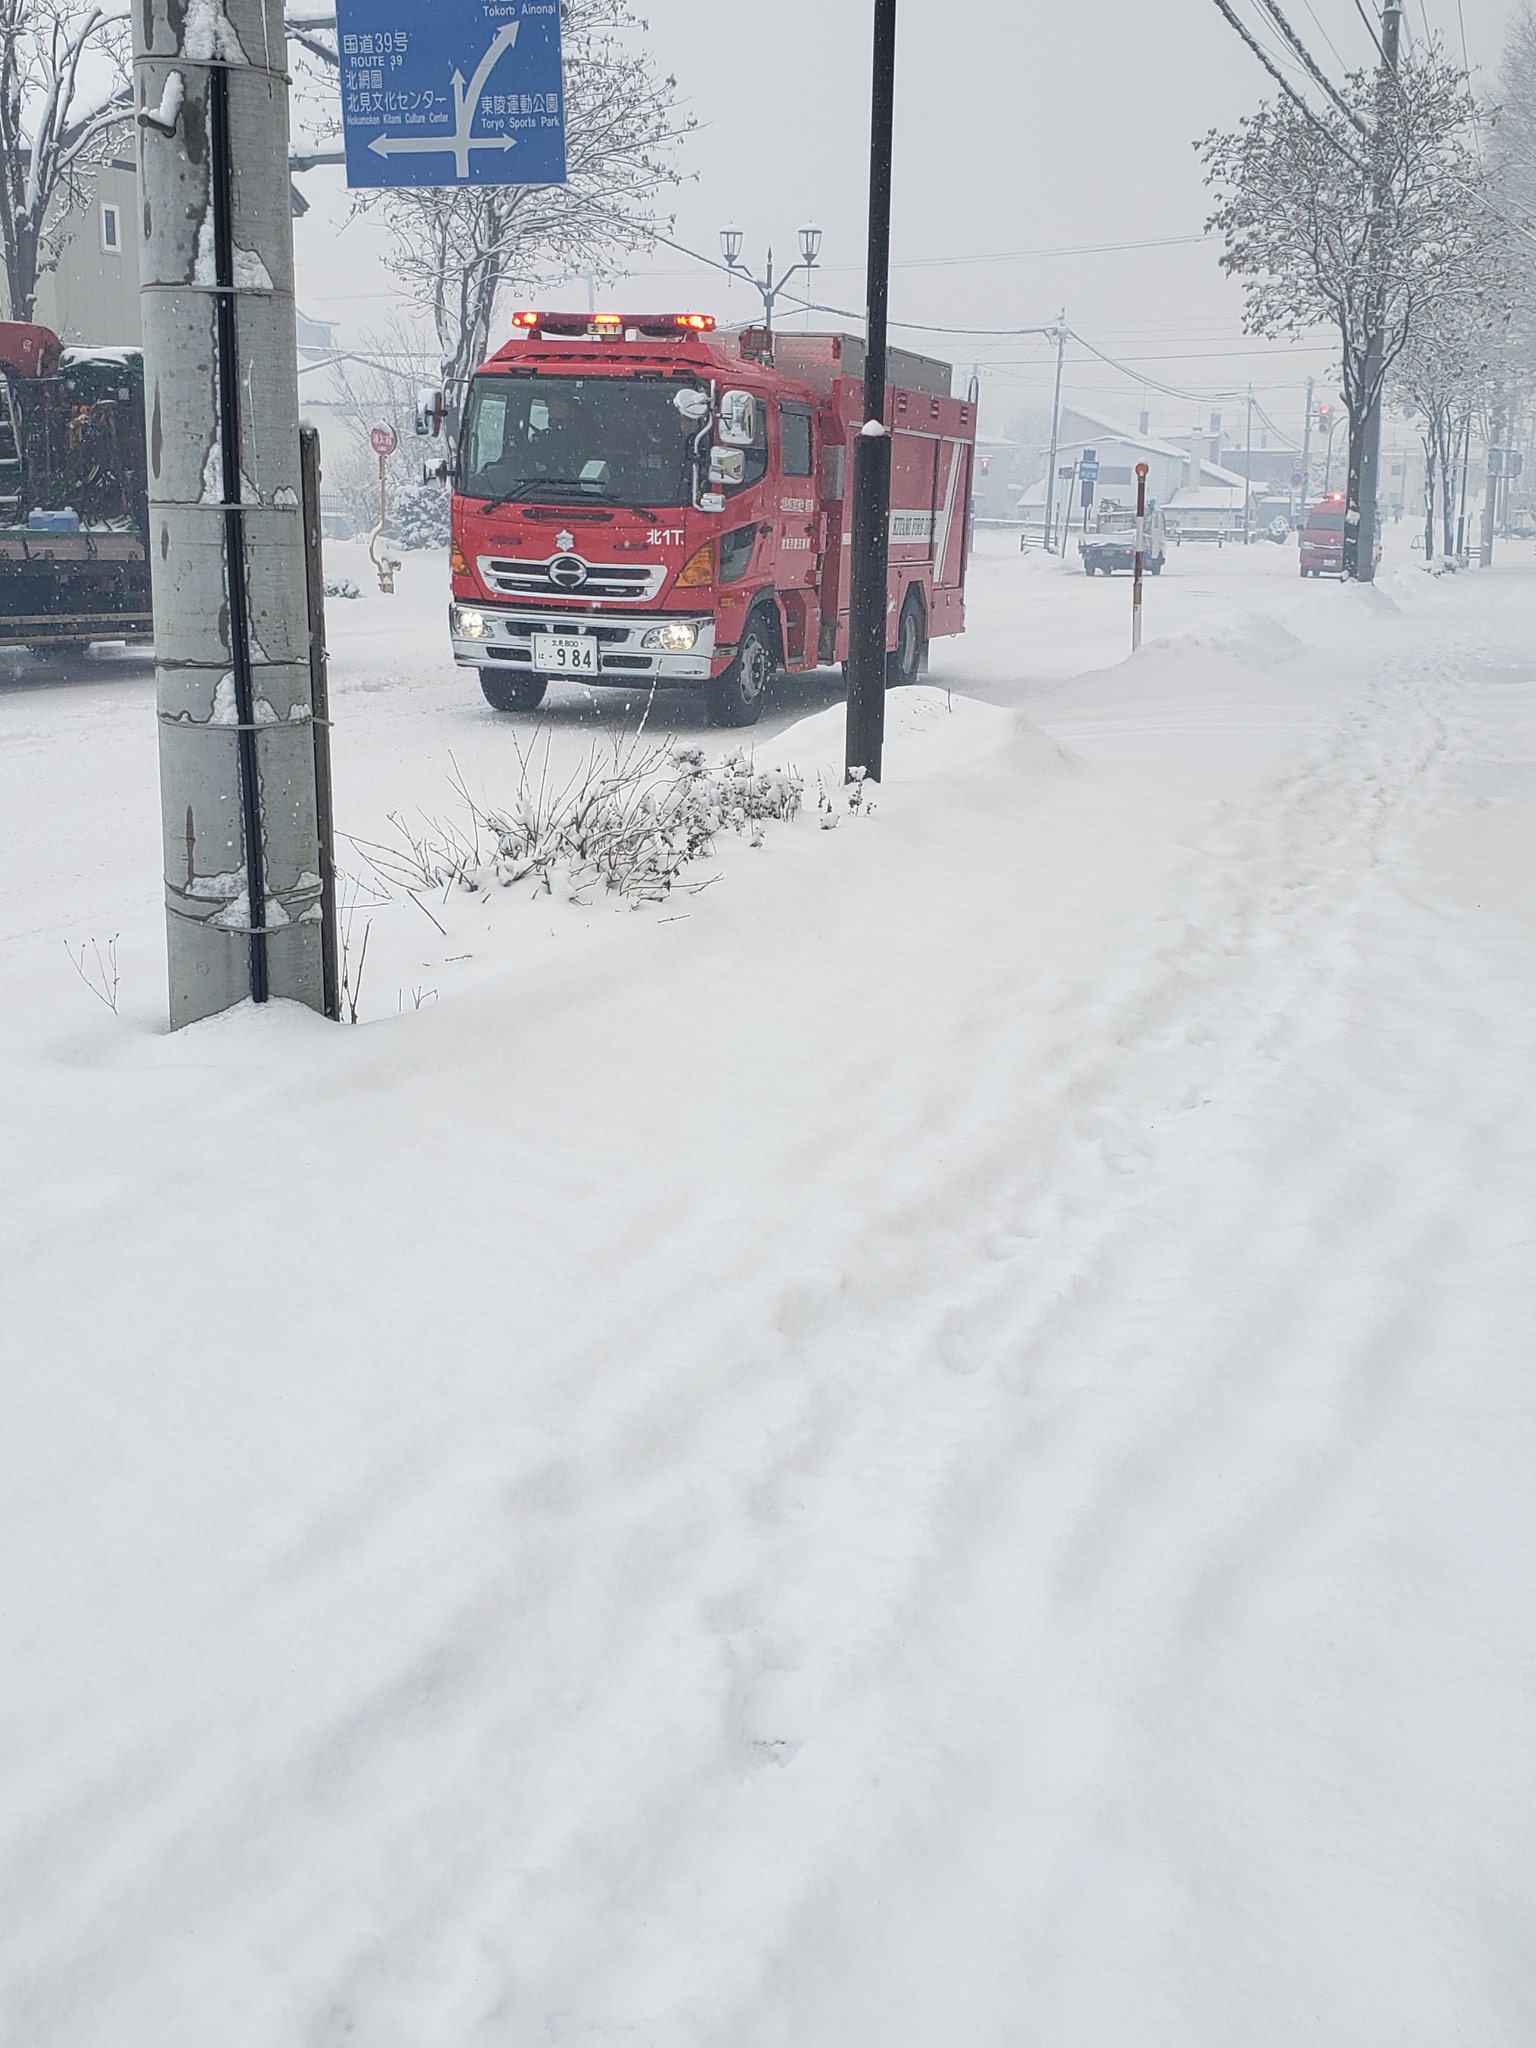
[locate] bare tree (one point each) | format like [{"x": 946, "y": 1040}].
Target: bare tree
[
  {"x": 53, "y": 127},
  {"x": 457, "y": 249},
  {"x": 1382, "y": 238},
  {"x": 1437, "y": 378}
]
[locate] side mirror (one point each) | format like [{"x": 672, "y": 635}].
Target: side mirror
[
  {"x": 740, "y": 419},
  {"x": 429, "y": 414},
  {"x": 727, "y": 466}
]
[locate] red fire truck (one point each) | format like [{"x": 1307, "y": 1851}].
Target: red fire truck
[{"x": 640, "y": 500}]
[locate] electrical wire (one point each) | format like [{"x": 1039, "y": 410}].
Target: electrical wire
[
  {"x": 1370, "y": 28},
  {"x": 1014, "y": 255},
  {"x": 1328, "y": 135},
  {"x": 1313, "y": 68},
  {"x": 1317, "y": 21}
]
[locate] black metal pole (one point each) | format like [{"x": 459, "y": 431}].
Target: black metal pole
[
  {"x": 222, "y": 178},
  {"x": 319, "y": 678},
  {"x": 868, "y": 597}
]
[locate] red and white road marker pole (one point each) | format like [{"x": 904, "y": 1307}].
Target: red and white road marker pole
[{"x": 1141, "y": 549}]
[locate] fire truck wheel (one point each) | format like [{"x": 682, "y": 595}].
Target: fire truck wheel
[
  {"x": 904, "y": 663},
  {"x": 736, "y": 698},
  {"x": 512, "y": 693}
]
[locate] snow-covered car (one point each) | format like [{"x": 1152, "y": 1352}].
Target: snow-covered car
[{"x": 1115, "y": 548}]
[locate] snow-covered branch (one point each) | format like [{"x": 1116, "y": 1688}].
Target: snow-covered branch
[{"x": 48, "y": 138}]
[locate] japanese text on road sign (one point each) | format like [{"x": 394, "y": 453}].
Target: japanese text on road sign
[{"x": 452, "y": 92}]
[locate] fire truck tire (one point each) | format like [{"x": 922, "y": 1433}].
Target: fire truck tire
[
  {"x": 736, "y": 698},
  {"x": 512, "y": 693},
  {"x": 904, "y": 663}
]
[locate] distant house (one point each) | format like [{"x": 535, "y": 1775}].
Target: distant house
[
  {"x": 92, "y": 293},
  {"x": 1187, "y": 482}
]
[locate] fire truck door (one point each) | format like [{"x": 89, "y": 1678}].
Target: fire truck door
[{"x": 798, "y": 522}]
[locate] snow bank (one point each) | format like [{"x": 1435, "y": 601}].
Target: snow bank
[
  {"x": 930, "y": 732},
  {"x": 931, "y": 1444},
  {"x": 1253, "y": 638}
]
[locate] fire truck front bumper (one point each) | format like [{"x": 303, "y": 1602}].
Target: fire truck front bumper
[{"x": 598, "y": 647}]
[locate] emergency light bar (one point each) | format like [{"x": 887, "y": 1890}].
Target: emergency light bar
[{"x": 614, "y": 326}]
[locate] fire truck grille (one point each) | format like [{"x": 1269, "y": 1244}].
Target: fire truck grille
[{"x": 569, "y": 576}]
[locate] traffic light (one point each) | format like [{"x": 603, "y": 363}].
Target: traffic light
[{"x": 1324, "y": 413}]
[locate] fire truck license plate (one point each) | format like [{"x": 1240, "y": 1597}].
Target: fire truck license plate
[{"x": 565, "y": 654}]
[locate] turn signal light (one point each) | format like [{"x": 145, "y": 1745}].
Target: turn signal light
[
  {"x": 696, "y": 570},
  {"x": 456, "y": 561}
]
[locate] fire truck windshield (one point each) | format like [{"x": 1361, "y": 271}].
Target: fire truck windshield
[{"x": 616, "y": 439}]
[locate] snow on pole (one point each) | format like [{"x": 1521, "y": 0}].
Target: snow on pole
[{"x": 243, "y": 860}]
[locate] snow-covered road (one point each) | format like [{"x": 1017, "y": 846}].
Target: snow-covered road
[{"x": 934, "y": 1450}]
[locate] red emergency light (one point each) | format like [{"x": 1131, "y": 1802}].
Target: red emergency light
[
  {"x": 1335, "y": 497},
  {"x": 613, "y": 326}
]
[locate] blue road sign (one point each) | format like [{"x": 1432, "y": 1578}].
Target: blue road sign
[
  {"x": 1088, "y": 472},
  {"x": 452, "y": 92}
]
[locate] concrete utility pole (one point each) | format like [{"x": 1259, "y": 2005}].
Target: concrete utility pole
[
  {"x": 1365, "y": 471},
  {"x": 1050, "y": 474},
  {"x": 244, "y": 863},
  {"x": 1248, "y": 476}
]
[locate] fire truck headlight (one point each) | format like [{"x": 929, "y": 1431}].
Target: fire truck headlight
[
  {"x": 471, "y": 625},
  {"x": 676, "y": 637}
]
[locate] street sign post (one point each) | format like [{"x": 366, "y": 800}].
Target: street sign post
[
  {"x": 1141, "y": 553},
  {"x": 384, "y": 441},
  {"x": 451, "y": 92}
]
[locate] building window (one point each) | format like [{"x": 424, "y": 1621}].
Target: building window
[{"x": 112, "y": 230}]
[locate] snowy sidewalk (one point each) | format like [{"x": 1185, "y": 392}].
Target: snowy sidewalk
[{"x": 937, "y": 1451}]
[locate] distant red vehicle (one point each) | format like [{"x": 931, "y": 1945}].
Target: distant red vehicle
[
  {"x": 639, "y": 500},
  {"x": 1322, "y": 538}
]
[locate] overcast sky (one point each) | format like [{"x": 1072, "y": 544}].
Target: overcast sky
[{"x": 1022, "y": 129}]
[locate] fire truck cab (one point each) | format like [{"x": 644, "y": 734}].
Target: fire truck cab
[{"x": 642, "y": 501}]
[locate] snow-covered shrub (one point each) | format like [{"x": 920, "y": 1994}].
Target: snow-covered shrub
[
  {"x": 418, "y": 517},
  {"x": 629, "y": 826}
]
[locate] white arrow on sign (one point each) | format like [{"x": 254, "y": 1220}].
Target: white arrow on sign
[{"x": 466, "y": 103}]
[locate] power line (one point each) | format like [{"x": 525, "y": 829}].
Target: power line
[
  {"x": 1314, "y": 70},
  {"x": 1317, "y": 21},
  {"x": 1013, "y": 255},
  {"x": 1370, "y": 27},
  {"x": 1285, "y": 85}
]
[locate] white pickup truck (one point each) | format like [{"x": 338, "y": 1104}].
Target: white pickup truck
[{"x": 1114, "y": 547}]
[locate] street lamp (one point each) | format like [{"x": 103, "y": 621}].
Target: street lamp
[{"x": 771, "y": 285}]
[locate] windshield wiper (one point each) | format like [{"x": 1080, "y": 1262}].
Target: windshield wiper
[{"x": 527, "y": 489}]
